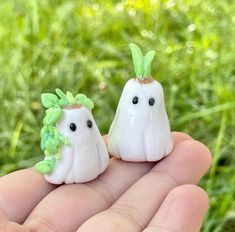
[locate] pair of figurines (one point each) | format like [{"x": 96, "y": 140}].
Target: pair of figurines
[{"x": 74, "y": 149}]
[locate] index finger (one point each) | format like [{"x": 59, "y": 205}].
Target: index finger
[{"x": 20, "y": 191}]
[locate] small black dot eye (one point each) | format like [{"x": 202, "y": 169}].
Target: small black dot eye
[
  {"x": 89, "y": 123},
  {"x": 151, "y": 101},
  {"x": 73, "y": 126},
  {"x": 135, "y": 100}
]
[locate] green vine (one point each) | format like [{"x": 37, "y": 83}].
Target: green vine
[
  {"x": 142, "y": 64},
  {"x": 51, "y": 139}
]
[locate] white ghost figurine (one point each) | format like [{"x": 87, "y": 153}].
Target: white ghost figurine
[
  {"x": 74, "y": 149},
  {"x": 140, "y": 130}
]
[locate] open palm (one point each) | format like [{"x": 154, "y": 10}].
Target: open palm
[{"x": 128, "y": 196}]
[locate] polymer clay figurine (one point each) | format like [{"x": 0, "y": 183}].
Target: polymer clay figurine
[
  {"x": 74, "y": 149},
  {"x": 140, "y": 130}
]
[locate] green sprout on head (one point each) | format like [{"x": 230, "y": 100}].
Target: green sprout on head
[
  {"x": 51, "y": 139},
  {"x": 142, "y": 64}
]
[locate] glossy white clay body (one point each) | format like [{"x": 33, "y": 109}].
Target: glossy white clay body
[
  {"x": 140, "y": 132},
  {"x": 87, "y": 155}
]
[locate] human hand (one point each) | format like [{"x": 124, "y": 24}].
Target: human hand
[{"x": 132, "y": 197}]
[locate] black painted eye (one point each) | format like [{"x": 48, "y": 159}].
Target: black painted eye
[
  {"x": 89, "y": 123},
  {"x": 73, "y": 126},
  {"x": 135, "y": 100},
  {"x": 151, "y": 101}
]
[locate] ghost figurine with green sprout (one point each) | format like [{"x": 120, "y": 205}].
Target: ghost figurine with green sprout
[
  {"x": 140, "y": 130},
  {"x": 74, "y": 149}
]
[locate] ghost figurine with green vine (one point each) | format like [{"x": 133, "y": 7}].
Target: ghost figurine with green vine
[{"x": 74, "y": 149}]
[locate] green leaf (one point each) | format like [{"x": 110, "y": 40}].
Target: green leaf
[
  {"x": 46, "y": 166},
  {"x": 72, "y": 100},
  {"x": 63, "y": 102},
  {"x": 52, "y": 115},
  {"x": 57, "y": 134},
  {"x": 148, "y": 58},
  {"x": 85, "y": 101},
  {"x": 44, "y": 138},
  {"x": 51, "y": 129},
  {"x": 49, "y": 100},
  {"x": 138, "y": 60},
  {"x": 66, "y": 142},
  {"x": 60, "y": 93},
  {"x": 52, "y": 145},
  {"x": 46, "y": 130},
  {"x": 61, "y": 138},
  {"x": 58, "y": 156}
]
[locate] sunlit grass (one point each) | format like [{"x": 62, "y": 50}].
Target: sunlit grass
[{"x": 82, "y": 46}]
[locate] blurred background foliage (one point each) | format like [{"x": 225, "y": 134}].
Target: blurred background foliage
[{"x": 82, "y": 46}]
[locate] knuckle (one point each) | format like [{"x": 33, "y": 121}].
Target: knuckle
[{"x": 38, "y": 224}]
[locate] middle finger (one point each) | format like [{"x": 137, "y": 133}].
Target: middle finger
[{"x": 132, "y": 212}]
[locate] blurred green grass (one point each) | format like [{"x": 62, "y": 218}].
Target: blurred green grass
[{"x": 82, "y": 46}]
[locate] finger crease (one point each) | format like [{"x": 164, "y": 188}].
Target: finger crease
[
  {"x": 38, "y": 223},
  {"x": 131, "y": 214},
  {"x": 103, "y": 191},
  {"x": 176, "y": 182},
  {"x": 160, "y": 228}
]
